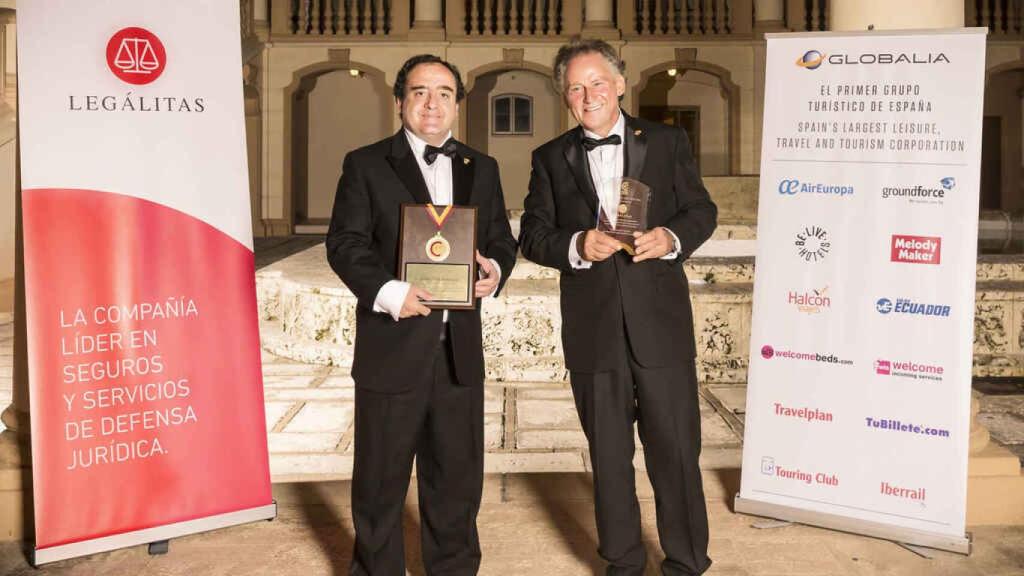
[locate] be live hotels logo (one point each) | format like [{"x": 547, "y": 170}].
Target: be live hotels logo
[
  {"x": 812, "y": 243},
  {"x": 136, "y": 55},
  {"x": 916, "y": 249}
]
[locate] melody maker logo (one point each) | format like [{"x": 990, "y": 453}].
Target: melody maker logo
[{"x": 136, "y": 55}]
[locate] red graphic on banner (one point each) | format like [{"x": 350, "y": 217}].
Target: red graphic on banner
[
  {"x": 144, "y": 355},
  {"x": 136, "y": 55},
  {"x": 916, "y": 249}
]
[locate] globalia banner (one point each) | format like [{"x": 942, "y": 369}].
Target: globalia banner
[
  {"x": 144, "y": 357},
  {"x": 858, "y": 399}
]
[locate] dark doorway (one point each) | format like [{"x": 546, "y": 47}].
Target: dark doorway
[
  {"x": 686, "y": 117},
  {"x": 991, "y": 163}
]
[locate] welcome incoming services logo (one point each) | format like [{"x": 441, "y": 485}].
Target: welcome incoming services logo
[
  {"x": 136, "y": 55},
  {"x": 810, "y": 60}
]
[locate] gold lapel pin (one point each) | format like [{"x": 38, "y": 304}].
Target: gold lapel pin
[
  {"x": 465, "y": 161},
  {"x": 637, "y": 132}
]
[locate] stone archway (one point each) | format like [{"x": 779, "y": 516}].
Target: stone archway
[
  {"x": 330, "y": 108},
  {"x": 1002, "y": 148},
  {"x": 512, "y": 151},
  {"x": 727, "y": 99}
]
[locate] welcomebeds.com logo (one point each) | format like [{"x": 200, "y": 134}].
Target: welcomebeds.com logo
[{"x": 770, "y": 352}]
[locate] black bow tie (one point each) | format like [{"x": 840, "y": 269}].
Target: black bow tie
[
  {"x": 591, "y": 143},
  {"x": 430, "y": 152}
]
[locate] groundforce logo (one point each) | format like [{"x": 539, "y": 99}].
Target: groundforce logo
[
  {"x": 791, "y": 187},
  {"x": 921, "y": 194}
]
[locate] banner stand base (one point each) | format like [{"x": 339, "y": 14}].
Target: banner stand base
[
  {"x": 854, "y": 526},
  {"x": 152, "y": 535}
]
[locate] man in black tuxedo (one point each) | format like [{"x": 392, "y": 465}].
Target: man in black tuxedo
[
  {"x": 627, "y": 326},
  {"x": 419, "y": 374}
]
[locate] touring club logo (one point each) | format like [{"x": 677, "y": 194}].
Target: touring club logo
[{"x": 136, "y": 55}]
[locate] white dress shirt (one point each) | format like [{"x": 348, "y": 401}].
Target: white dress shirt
[
  {"x": 438, "y": 177},
  {"x": 606, "y": 164}
]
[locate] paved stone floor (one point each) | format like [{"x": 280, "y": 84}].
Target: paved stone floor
[{"x": 532, "y": 524}]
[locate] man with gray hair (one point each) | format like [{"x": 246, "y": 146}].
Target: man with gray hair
[{"x": 627, "y": 325}]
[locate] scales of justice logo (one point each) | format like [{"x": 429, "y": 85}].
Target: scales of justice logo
[{"x": 136, "y": 55}]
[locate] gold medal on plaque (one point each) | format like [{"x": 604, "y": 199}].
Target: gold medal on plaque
[{"x": 438, "y": 249}]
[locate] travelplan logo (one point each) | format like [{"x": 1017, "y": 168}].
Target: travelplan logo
[
  {"x": 916, "y": 249},
  {"x": 908, "y": 306},
  {"x": 810, "y": 60},
  {"x": 792, "y": 187}
]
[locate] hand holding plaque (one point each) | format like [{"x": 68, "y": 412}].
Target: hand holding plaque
[
  {"x": 437, "y": 246},
  {"x": 627, "y": 213}
]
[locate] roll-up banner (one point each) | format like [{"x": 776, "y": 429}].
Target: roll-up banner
[
  {"x": 143, "y": 345},
  {"x": 858, "y": 399}
]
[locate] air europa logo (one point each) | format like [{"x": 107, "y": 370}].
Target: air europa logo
[{"x": 136, "y": 55}]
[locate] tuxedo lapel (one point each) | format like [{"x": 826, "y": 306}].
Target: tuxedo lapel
[
  {"x": 463, "y": 168},
  {"x": 580, "y": 168},
  {"x": 408, "y": 171},
  {"x": 635, "y": 152}
]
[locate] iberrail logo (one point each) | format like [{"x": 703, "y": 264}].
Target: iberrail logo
[
  {"x": 136, "y": 55},
  {"x": 810, "y": 60}
]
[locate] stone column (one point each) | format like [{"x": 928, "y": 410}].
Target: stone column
[
  {"x": 597, "y": 20},
  {"x": 882, "y": 15},
  {"x": 427, "y": 24},
  {"x": 769, "y": 16}
]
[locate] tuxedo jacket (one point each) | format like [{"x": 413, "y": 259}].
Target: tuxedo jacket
[
  {"x": 616, "y": 301},
  {"x": 362, "y": 248}
]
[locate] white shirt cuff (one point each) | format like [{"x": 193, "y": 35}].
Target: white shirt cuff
[
  {"x": 575, "y": 260},
  {"x": 391, "y": 297},
  {"x": 497, "y": 272},
  {"x": 675, "y": 242}
]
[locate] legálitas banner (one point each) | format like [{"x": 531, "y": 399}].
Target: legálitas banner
[
  {"x": 144, "y": 357},
  {"x": 858, "y": 405}
]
